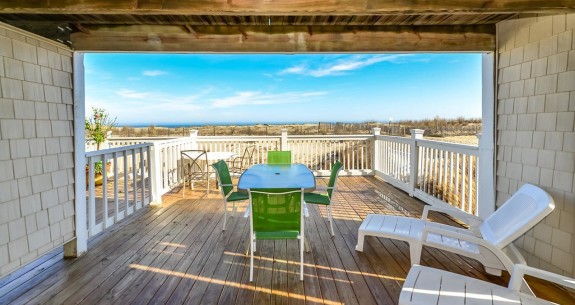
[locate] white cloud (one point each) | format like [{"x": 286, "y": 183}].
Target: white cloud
[
  {"x": 154, "y": 73},
  {"x": 294, "y": 70},
  {"x": 133, "y": 94},
  {"x": 343, "y": 65},
  {"x": 259, "y": 98}
]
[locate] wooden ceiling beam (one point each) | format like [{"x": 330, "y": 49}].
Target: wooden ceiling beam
[
  {"x": 300, "y": 7},
  {"x": 286, "y": 39}
]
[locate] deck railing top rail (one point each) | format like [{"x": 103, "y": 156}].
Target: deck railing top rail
[
  {"x": 115, "y": 149},
  {"x": 454, "y": 147}
]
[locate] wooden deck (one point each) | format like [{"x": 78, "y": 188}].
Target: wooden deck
[{"x": 177, "y": 254}]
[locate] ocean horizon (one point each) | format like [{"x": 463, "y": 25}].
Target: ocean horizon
[{"x": 179, "y": 125}]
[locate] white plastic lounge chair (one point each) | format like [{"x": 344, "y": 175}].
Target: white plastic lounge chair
[
  {"x": 488, "y": 241},
  {"x": 425, "y": 285}
]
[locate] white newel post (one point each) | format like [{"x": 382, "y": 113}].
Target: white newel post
[
  {"x": 376, "y": 151},
  {"x": 485, "y": 185},
  {"x": 79, "y": 245},
  {"x": 156, "y": 175},
  {"x": 193, "y": 139},
  {"x": 416, "y": 134},
  {"x": 284, "y": 139}
]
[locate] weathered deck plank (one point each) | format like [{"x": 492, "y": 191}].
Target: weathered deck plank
[{"x": 178, "y": 254}]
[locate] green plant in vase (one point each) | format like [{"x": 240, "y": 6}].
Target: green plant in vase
[
  {"x": 98, "y": 167},
  {"x": 98, "y": 128}
]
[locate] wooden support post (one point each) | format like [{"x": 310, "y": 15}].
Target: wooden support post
[
  {"x": 79, "y": 245},
  {"x": 486, "y": 163}
]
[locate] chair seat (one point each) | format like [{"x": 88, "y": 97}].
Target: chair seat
[
  {"x": 425, "y": 285},
  {"x": 277, "y": 235},
  {"x": 237, "y": 196},
  {"x": 410, "y": 230},
  {"x": 316, "y": 198}
]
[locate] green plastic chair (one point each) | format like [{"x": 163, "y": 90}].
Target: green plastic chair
[
  {"x": 276, "y": 214},
  {"x": 227, "y": 188},
  {"x": 279, "y": 157},
  {"x": 325, "y": 198}
]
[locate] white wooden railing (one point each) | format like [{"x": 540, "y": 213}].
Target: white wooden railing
[
  {"x": 127, "y": 174},
  {"x": 319, "y": 153},
  {"x": 438, "y": 173}
]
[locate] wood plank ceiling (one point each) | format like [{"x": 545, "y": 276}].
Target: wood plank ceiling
[{"x": 272, "y": 26}]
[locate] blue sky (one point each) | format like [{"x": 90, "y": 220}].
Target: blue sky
[{"x": 192, "y": 89}]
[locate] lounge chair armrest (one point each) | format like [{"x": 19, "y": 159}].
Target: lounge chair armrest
[
  {"x": 470, "y": 238},
  {"x": 471, "y": 220},
  {"x": 520, "y": 270}
]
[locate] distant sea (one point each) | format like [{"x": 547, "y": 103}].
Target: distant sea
[{"x": 177, "y": 125}]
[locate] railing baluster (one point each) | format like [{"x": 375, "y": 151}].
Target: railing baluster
[
  {"x": 463, "y": 184},
  {"x": 105, "y": 191},
  {"x": 116, "y": 203},
  {"x": 126, "y": 197},
  {"x": 471, "y": 179},
  {"x": 91, "y": 197},
  {"x": 134, "y": 178},
  {"x": 142, "y": 176}
]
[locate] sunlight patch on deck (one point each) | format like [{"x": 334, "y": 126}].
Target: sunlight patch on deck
[
  {"x": 324, "y": 267},
  {"x": 232, "y": 284}
]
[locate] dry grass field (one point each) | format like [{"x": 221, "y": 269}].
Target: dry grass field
[{"x": 455, "y": 130}]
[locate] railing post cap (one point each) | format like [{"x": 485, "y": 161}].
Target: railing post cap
[
  {"x": 193, "y": 133},
  {"x": 416, "y": 132},
  {"x": 376, "y": 131}
]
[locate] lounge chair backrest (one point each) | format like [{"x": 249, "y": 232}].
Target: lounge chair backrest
[{"x": 527, "y": 207}]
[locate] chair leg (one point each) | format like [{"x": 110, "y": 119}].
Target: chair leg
[
  {"x": 360, "y": 241},
  {"x": 415, "y": 253},
  {"x": 330, "y": 217},
  {"x": 184, "y": 189}
]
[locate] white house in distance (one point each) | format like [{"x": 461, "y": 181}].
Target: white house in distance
[{"x": 528, "y": 102}]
